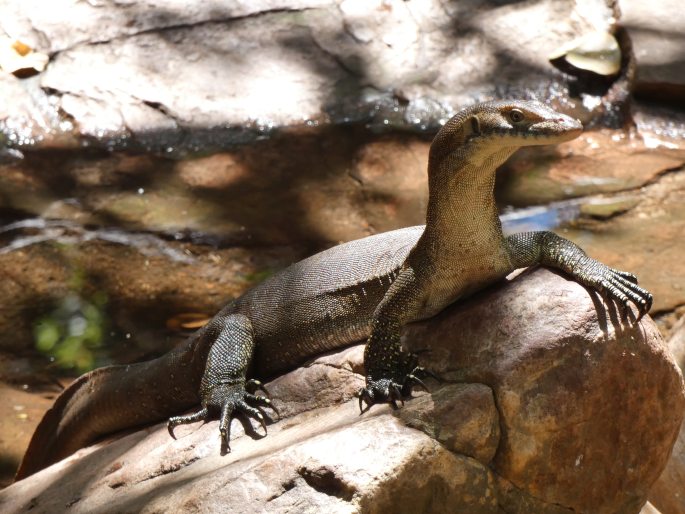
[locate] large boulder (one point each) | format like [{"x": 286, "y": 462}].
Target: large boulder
[
  {"x": 668, "y": 493},
  {"x": 552, "y": 404}
]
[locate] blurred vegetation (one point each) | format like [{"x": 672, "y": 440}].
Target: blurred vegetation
[
  {"x": 72, "y": 333},
  {"x": 258, "y": 276}
]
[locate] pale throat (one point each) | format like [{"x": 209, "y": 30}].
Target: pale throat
[{"x": 461, "y": 194}]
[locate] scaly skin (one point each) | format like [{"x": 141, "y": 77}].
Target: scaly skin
[
  {"x": 462, "y": 248},
  {"x": 367, "y": 288}
]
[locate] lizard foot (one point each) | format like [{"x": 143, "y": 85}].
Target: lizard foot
[
  {"x": 388, "y": 390},
  {"x": 227, "y": 399},
  {"x": 620, "y": 286}
]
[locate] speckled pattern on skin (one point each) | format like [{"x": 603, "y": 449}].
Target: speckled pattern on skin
[{"x": 365, "y": 288}]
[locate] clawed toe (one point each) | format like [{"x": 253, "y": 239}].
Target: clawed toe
[
  {"x": 200, "y": 415},
  {"x": 228, "y": 399},
  {"x": 386, "y": 390},
  {"x": 622, "y": 287},
  {"x": 252, "y": 386}
]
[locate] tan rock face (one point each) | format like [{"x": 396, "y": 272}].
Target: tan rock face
[
  {"x": 577, "y": 390},
  {"x": 560, "y": 407},
  {"x": 668, "y": 493}
]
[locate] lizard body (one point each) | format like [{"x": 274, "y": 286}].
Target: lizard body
[{"x": 365, "y": 288}]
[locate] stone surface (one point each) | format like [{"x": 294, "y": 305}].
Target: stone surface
[
  {"x": 677, "y": 343},
  {"x": 668, "y": 493},
  {"x": 647, "y": 240},
  {"x": 162, "y": 76},
  {"x": 561, "y": 406},
  {"x": 21, "y": 413},
  {"x": 596, "y": 162},
  {"x": 657, "y": 31},
  {"x": 304, "y": 188},
  {"x": 555, "y": 391}
]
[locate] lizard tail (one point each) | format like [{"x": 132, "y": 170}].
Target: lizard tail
[{"x": 107, "y": 400}]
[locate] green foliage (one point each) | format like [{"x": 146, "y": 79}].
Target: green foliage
[
  {"x": 72, "y": 332},
  {"x": 258, "y": 276}
]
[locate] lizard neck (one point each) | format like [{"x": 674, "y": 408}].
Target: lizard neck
[{"x": 462, "y": 215}]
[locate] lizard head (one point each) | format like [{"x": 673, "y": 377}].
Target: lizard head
[
  {"x": 522, "y": 123},
  {"x": 504, "y": 124}
]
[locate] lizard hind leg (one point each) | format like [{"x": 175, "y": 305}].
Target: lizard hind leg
[{"x": 224, "y": 389}]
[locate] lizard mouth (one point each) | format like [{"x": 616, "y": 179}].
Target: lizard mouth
[{"x": 561, "y": 128}]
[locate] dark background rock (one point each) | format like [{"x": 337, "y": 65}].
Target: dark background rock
[{"x": 658, "y": 38}]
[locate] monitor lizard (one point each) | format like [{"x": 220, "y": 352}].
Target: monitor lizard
[{"x": 368, "y": 288}]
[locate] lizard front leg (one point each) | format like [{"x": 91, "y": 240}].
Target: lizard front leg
[
  {"x": 390, "y": 371},
  {"x": 224, "y": 388},
  {"x": 549, "y": 249}
]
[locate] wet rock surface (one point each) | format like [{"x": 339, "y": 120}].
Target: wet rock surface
[
  {"x": 587, "y": 391},
  {"x": 165, "y": 77},
  {"x": 644, "y": 239}
]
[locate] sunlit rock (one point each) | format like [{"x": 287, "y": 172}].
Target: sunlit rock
[
  {"x": 559, "y": 407},
  {"x": 597, "y": 52}
]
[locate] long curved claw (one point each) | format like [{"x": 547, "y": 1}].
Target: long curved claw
[
  {"x": 253, "y": 385},
  {"x": 261, "y": 401},
  {"x": 622, "y": 287},
  {"x": 225, "y": 425},
  {"x": 387, "y": 390},
  {"x": 200, "y": 415},
  {"x": 423, "y": 371},
  {"x": 395, "y": 395},
  {"x": 625, "y": 275},
  {"x": 616, "y": 285},
  {"x": 251, "y": 412},
  {"x": 413, "y": 379},
  {"x": 227, "y": 399},
  {"x": 365, "y": 396}
]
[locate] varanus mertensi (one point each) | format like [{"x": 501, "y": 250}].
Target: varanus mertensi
[{"x": 367, "y": 288}]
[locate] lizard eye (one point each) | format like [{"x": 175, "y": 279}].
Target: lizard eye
[{"x": 516, "y": 116}]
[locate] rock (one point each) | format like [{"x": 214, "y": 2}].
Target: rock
[
  {"x": 657, "y": 32},
  {"x": 304, "y": 189},
  {"x": 659, "y": 217},
  {"x": 20, "y": 59},
  {"x": 172, "y": 79},
  {"x": 22, "y": 411},
  {"x": 554, "y": 391},
  {"x": 596, "y": 162},
  {"x": 668, "y": 494},
  {"x": 597, "y": 52},
  {"x": 677, "y": 342},
  {"x": 641, "y": 232},
  {"x": 649, "y": 509},
  {"x": 560, "y": 407}
]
